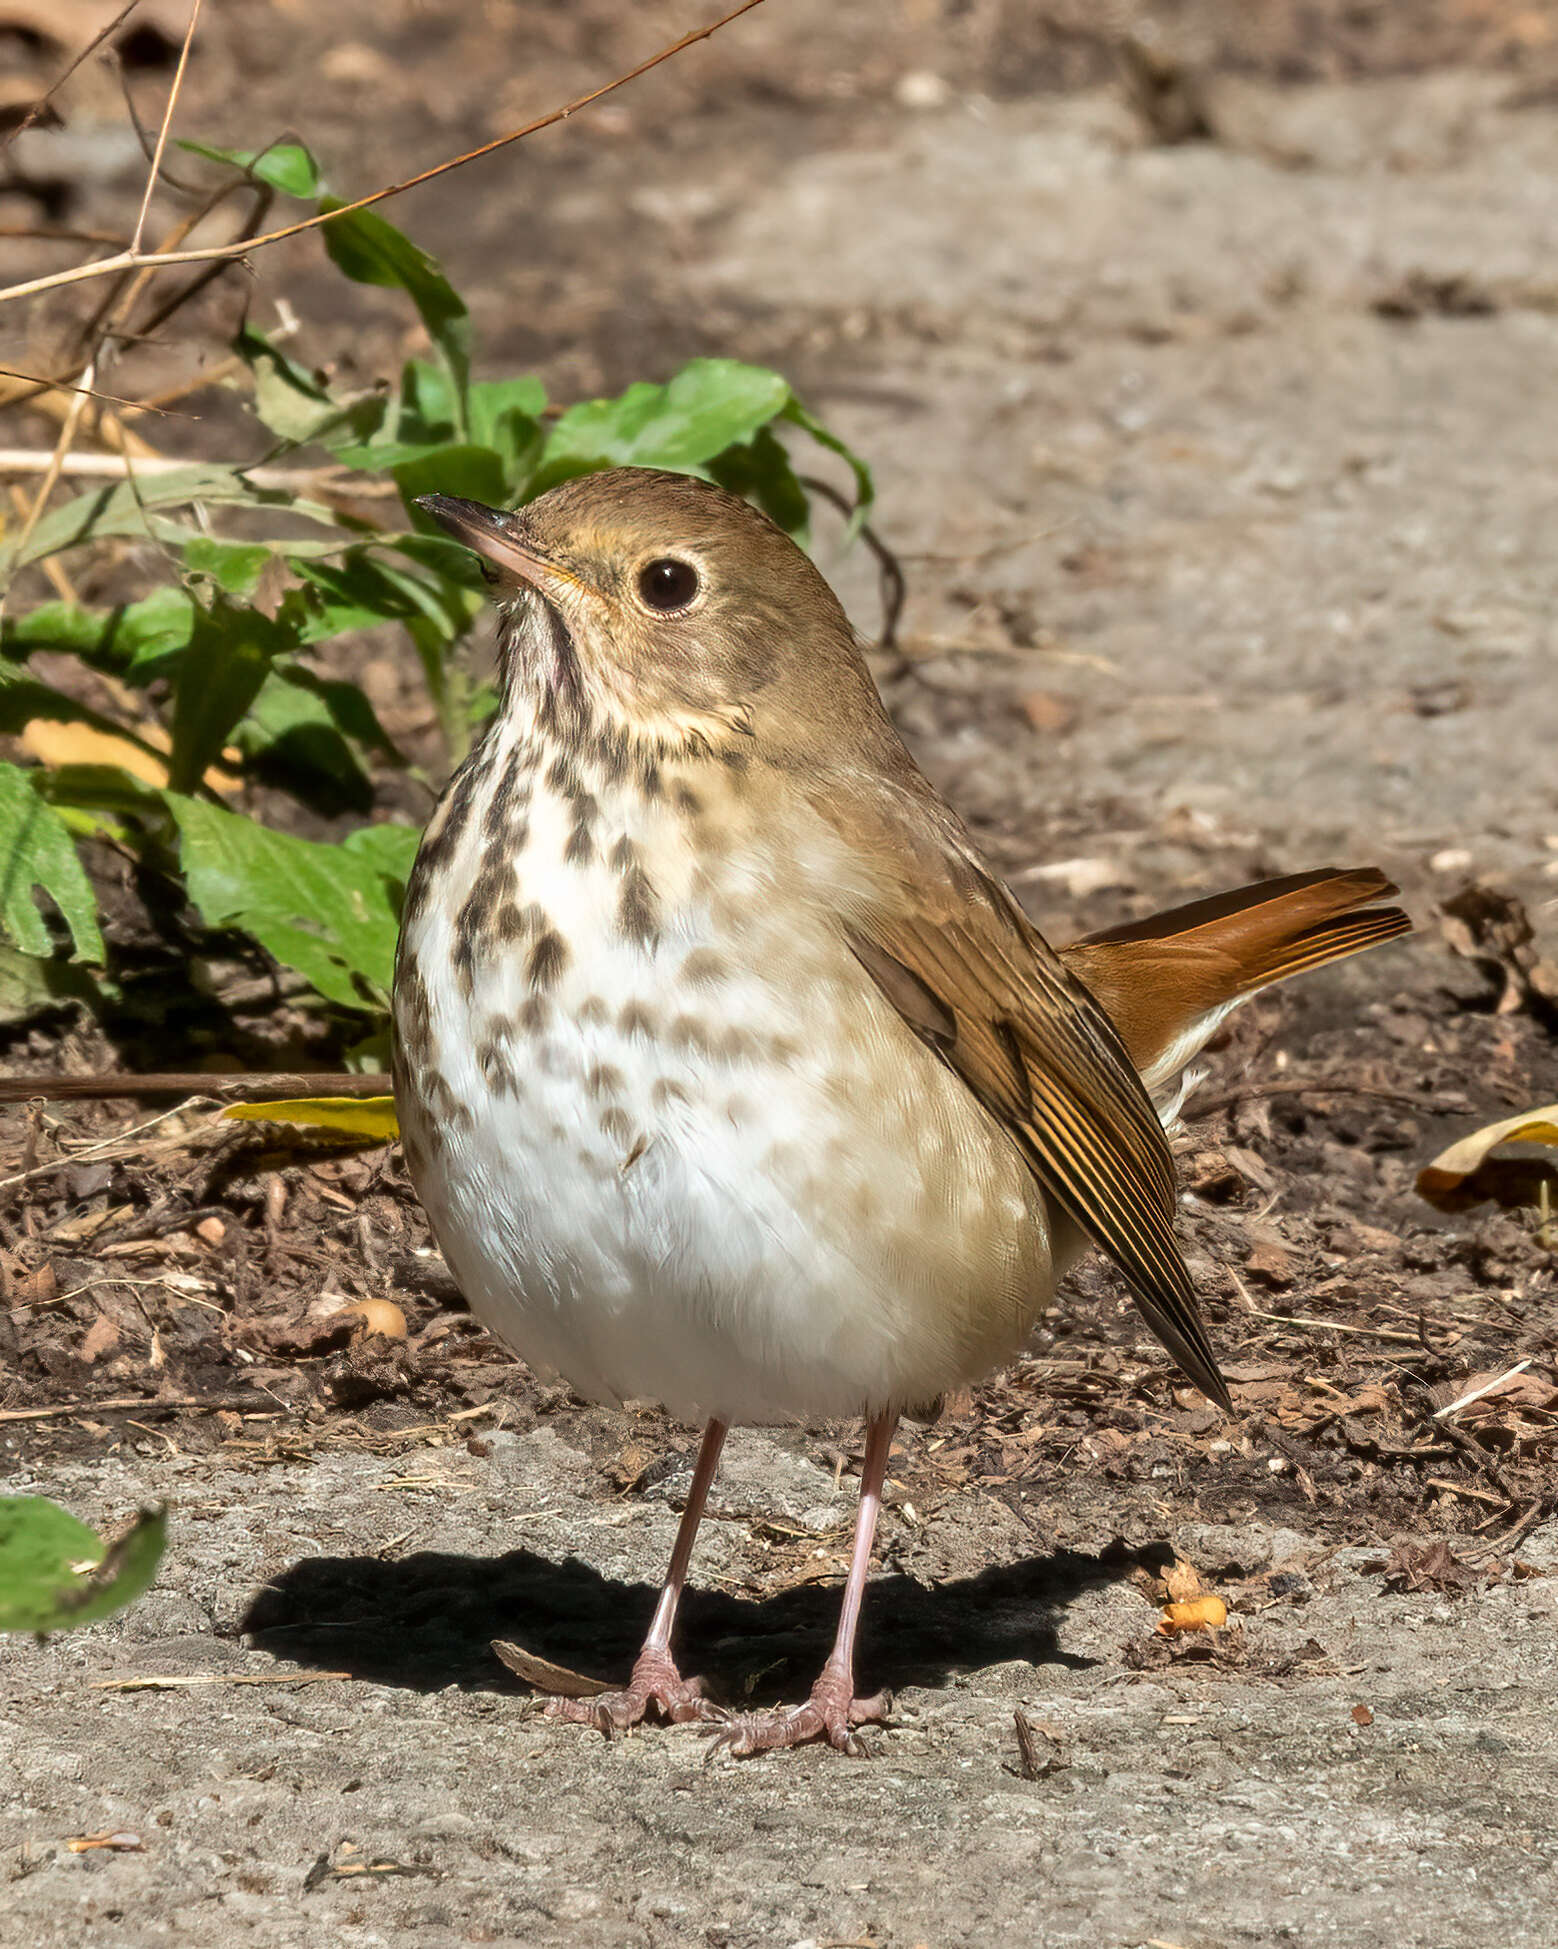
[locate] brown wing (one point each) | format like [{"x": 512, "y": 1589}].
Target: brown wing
[{"x": 974, "y": 980}]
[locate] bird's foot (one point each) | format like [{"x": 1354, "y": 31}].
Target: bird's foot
[
  {"x": 832, "y": 1713},
  {"x": 655, "y": 1688}
]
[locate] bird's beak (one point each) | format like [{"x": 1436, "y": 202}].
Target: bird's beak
[{"x": 498, "y": 537}]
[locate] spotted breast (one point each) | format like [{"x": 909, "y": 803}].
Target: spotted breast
[{"x": 670, "y": 1143}]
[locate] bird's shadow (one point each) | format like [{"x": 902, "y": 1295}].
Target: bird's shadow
[{"x": 428, "y": 1621}]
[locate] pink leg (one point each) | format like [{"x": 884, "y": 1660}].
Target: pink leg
[
  {"x": 832, "y": 1712},
  {"x": 655, "y": 1681}
]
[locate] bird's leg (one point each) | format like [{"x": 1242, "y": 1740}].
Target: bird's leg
[
  {"x": 832, "y": 1712},
  {"x": 656, "y": 1684}
]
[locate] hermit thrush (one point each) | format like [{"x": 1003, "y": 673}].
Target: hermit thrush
[{"x": 728, "y": 1072}]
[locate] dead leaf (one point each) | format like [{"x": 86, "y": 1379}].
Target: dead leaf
[
  {"x": 1269, "y": 1258},
  {"x": 1047, "y": 712},
  {"x": 100, "y": 1340},
  {"x": 86, "y": 1224},
  {"x": 381, "y": 1316},
  {"x": 1201, "y": 1614},
  {"x": 1431, "y": 1567},
  {"x": 1183, "y": 1582},
  {"x": 53, "y": 743},
  {"x": 1036, "y": 1760},
  {"x": 1492, "y": 929},
  {"x": 353, "y": 1862},
  {"x": 1513, "y": 1387},
  {"x": 1467, "y": 1173},
  {"x": 554, "y": 1680},
  {"x": 1362, "y": 1716}
]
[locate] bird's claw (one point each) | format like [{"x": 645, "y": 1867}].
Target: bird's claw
[
  {"x": 656, "y": 1688},
  {"x": 832, "y": 1713}
]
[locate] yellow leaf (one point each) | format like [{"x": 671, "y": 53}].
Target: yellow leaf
[
  {"x": 369, "y": 1117},
  {"x": 1456, "y": 1178},
  {"x": 53, "y": 743},
  {"x": 1200, "y": 1614}
]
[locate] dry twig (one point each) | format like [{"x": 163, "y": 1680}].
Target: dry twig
[{"x": 134, "y": 259}]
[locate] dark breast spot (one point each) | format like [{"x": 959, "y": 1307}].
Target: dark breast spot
[
  {"x": 562, "y": 777},
  {"x": 638, "y": 912},
  {"x": 636, "y": 1019},
  {"x": 704, "y": 966},
  {"x": 414, "y": 1017},
  {"x": 548, "y": 957}
]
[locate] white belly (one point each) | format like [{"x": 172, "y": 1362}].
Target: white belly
[{"x": 709, "y": 1168}]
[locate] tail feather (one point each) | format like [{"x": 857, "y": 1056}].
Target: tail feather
[{"x": 1169, "y": 980}]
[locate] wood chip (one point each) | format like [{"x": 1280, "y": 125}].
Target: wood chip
[{"x": 557, "y": 1681}]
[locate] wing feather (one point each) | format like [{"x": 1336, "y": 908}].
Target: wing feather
[{"x": 987, "y": 993}]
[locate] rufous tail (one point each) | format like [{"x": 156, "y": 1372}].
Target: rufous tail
[{"x": 1169, "y": 980}]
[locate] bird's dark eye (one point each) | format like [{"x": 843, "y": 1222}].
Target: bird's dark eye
[{"x": 666, "y": 583}]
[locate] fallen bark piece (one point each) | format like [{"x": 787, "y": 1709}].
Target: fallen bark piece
[{"x": 557, "y": 1681}]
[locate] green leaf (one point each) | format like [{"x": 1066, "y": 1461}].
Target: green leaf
[
  {"x": 428, "y": 406},
  {"x": 865, "y": 484},
  {"x": 331, "y": 912},
  {"x": 230, "y": 654},
  {"x": 711, "y": 404},
  {"x": 760, "y": 470},
  {"x": 492, "y": 399},
  {"x": 133, "y": 641},
  {"x": 389, "y": 848},
  {"x": 477, "y": 473},
  {"x": 126, "y": 508},
  {"x": 31, "y": 986},
  {"x": 506, "y": 416},
  {"x": 370, "y": 250},
  {"x": 36, "y": 851},
  {"x": 295, "y": 728},
  {"x": 286, "y": 166},
  {"x": 234, "y": 566},
  {"x": 56, "y": 1573},
  {"x": 364, "y": 588},
  {"x": 295, "y": 406}
]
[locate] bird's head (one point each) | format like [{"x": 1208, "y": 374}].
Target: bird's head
[{"x": 662, "y": 607}]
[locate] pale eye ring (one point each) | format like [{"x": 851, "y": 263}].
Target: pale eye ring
[{"x": 668, "y": 583}]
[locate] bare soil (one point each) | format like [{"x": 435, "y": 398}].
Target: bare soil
[{"x": 1224, "y": 478}]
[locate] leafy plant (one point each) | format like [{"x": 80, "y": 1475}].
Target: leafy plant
[
  {"x": 208, "y": 683},
  {"x": 55, "y": 1572}
]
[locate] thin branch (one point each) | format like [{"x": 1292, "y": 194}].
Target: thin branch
[
  {"x": 145, "y": 1404},
  {"x": 162, "y": 130},
  {"x": 891, "y": 587},
  {"x": 213, "y": 253},
  {"x": 44, "y": 384},
  {"x": 226, "y": 1089},
  {"x": 1196, "y": 1112},
  {"x": 115, "y": 466},
  {"x": 56, "y": 462}
]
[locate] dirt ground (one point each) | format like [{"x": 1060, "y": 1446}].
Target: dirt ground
[{"x": 1223, "y": 475}]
